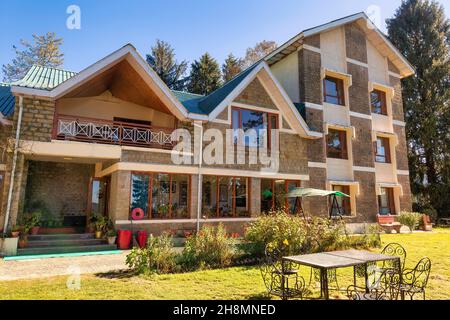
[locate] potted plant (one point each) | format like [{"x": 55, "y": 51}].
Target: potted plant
[
  {"x": 112, "y": 236},
  {"x": 101, "y": 225},
  {"x": 23, "y": 241},
  {"x": 15, "y": 231},
  {"x": 91, "y": 225},
  {"x": 34, "y": 222}
]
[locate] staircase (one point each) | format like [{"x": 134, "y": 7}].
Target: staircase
[{"x": 64, "y": 243}]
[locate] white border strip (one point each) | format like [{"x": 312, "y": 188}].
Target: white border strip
[
  {"x": 310, "y": 48},
  {"x": 399, "y": 123},
  {"x": 155, "y": 221},
  {"x": 403, "y": 172},
  {"x": 395, "y": 75},
  {"x": 364, "y": 169},
  {"x": 322, "y": 165},
  {"x": 311, "y": 105},
  {"x": 358, "y": 63},
  {"x": 360, "y": 115}
]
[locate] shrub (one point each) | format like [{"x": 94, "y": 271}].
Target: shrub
[
  {"x": 157, "y": 257},
  {"x": 275, "y": 228},
  {"x": 209, "y": 248},
  {"x": 410, "y": 219},
  {"x": 324, "y": 235}
]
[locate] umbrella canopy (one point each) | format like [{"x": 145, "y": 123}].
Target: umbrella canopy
[{"x": 309, "y": 192}]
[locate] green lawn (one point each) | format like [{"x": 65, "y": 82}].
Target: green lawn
[{"x": 232, "y": 283}]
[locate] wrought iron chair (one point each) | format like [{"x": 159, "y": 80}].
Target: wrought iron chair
[
  {"x": 414, "y": 281},
  {"x": 332, "y": 278},
  {"x": 386, "y": 287},
  {"x": 280, "y": 278}
]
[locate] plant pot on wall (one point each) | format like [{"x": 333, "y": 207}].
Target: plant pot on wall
[{"x": 34, "y": 230}]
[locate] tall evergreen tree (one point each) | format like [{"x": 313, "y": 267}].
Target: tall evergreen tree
[
  {"x": 43, "y": 50},
  {"x": 259, "y": 51},
  {"x": 231, "y": 67},
  {"x": 162, "y": 60},
  {"x": 421, "y": 31},
  {"x": 205, "y": 75}
]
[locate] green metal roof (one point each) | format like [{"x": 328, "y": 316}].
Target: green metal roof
[
  {"x": 7, "y": 100},
  {"x": 44, "y": 78},
  {"x": 189, "y": 100}
]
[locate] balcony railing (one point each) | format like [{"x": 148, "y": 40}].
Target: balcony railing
[{"x": 112, "y": 132}]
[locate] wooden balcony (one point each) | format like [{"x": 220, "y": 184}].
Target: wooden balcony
[{"x": 111, "y": 132}]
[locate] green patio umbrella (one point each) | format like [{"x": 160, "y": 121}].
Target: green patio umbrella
[{"x": 310, "y": 192}]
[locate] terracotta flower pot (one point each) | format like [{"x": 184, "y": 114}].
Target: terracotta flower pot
[
  {"x": 34, "y": 230},
  {"x": 15, "y": 234},
  {"x": 23, "y": 243}
]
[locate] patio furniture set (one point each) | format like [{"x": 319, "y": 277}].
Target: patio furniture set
[{"x": 384, "y": 274}]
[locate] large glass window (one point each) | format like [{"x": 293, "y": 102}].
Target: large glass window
[
  {"x": 168, "y": 199},
  {"x": 386, "y": 201},
  {"x": 337, "y": 144},
  {"x": 343, "y": 203},
  {"x": 273, "y": 195},
  {"x": 225, "y": 197},
  {"x": 382, "y": 150},
  {"x": 333, "y": 91},
  {"x": 250, "y": 119},
  {"x": 378, "y": 102}
]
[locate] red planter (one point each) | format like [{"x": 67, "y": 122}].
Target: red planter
[
  {"x": 124, "y": 239},
  {"x": 142, "y": 237}
]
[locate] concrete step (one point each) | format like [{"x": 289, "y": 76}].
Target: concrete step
[
  {"x": 65, "y": 249},
  {"x": 53, "y": 237},
  {"x": 64, "y": 243}
]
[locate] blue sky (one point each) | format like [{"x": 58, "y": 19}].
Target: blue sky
[{"x": 191, "y": 26}]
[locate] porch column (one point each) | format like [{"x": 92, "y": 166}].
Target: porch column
[
  {"x": 255, "y": 197},
  {"x": 194, "y": 196},
  {"x": 119, "y": 203},
  {"x": 20, "y": 182}
]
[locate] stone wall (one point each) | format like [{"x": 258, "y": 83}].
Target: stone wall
[
  {"x": 401, "y": 150},
  {"x": 37, "y": 119},
  {"x": 256, "y": 95},
  {"x": 355, "y": 43},
  {"x": 397, "y": 100},
  {"x": 359, "y": 91},
  {"x": 406, "y": 198},
  {"x": 309, "y": 63},
  {"x": 63, "y": 187},
  {"x": 119, "y": 201},
  {"x": 363, "y": 153},
  {"x": 366, "y": 201}
]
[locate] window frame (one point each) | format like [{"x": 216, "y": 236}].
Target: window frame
[
  {"x": 386, "y": 144},
  {"x": 269, "y": 124},
  {"x": 342, "y": 134},
  {"x": 390, "y": 199},
  {"x": 149, "y": 210},
  {"x": 382, "y": 96},
  {"x": 339, "y": 89},
  {"x": 286, "y": 190},
  {"x": 346, "y": 202},
  {"x": 217, "y": 192}
]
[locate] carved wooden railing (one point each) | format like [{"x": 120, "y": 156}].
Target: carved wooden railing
[{"x": 111, "y": 132}]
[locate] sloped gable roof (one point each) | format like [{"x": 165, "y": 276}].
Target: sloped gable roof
[{"x": 44, "y": 78}]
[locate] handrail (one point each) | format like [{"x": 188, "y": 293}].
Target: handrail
[{"x": 111, "y": 132}]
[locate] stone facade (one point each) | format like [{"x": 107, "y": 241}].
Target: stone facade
[
  {"x": 355, "y": 43},
  {"x": 309, "y": 63},
  {"x": 401, "y": 150},
  {"x": 366, "y": 201},
  {"x": 362, "y": 145},
  {"x": 359, "y": 90},
  {"x": 256, "y": 95},
  {"x": 37, "y": 120},
  {"x": 397, "y": 100}
]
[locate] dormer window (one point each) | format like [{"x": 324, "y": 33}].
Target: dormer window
[
  {"x": 333, "y": 91},
  {"x": 378, "y": 102}
]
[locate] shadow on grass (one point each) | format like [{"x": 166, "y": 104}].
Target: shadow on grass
[{"x": 117, "y": 274}]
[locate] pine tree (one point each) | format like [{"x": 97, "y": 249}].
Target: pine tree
[
  {"x": 421, "y": 31},
  {"x": 231, "y": 67},
  {"x": 205, "y": 75},
  {"x": 162, "y": 60},
  {"x": 259, "y": 51},
  {"x": 43, "y": 50}
]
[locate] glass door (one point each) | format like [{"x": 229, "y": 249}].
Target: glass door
[{"x": 98, "y": 198}]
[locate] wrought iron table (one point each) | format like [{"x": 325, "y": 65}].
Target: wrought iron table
[{"x": 339, "y": 259}]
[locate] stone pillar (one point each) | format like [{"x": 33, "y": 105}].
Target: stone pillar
[
  {"x": 194, "y": 196},
  {"x": 255, "y": 197},
  {"x": 119, "y": 203}
]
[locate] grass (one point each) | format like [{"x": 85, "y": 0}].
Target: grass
[{"x": 233, "y": 283}]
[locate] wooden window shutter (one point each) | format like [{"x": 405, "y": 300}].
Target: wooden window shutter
[
  {"x": 390, "y": 194},
  {"x": 387, "y": 149},
  {"x": 343, "y": 139}
]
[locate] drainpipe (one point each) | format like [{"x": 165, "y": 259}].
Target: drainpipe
[
  {"x": 200, "y": 177},
  {"x": 14, "y": 161}
]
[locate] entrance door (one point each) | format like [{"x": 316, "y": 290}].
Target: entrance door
[{"x": 98, "y": 197}]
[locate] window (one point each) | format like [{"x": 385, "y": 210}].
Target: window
[
  {"x": 337, "y": 144},
  {"x": 249, "y": 119},
  {"x": 225, "y": 197},
  {"x": 333, "y": 91},
  {"x": 161, "y": 196},
  {"x": 382, "y": 150},
  {"x": 343, "y": 203},
  {"x": 273, "y": 195},
  {"x": 386, "y": 201},
  {"x": 378, "y": 102}
]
